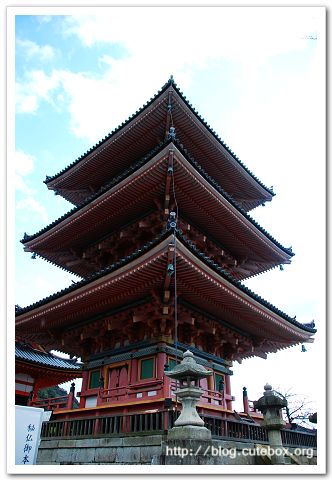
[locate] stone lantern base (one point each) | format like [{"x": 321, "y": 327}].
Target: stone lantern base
[{"x": 189, "y": 432}]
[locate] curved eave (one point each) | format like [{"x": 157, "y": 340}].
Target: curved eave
[
  {"x": 67, "y": 373},
  {"x": 59, "y": 181},
  {"x": 25, "y": 352},
  {"x": 154, "y": 174},
  {"x": 200, "y": 279}
]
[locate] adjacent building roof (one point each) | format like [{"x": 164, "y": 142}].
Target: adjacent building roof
[{"x": 24, "y": 352}]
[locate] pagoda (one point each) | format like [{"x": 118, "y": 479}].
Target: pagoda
[{"x": 161, "y": 238}]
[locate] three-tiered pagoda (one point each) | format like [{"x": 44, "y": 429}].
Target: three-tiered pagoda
[{"x": 161, "y": 237}]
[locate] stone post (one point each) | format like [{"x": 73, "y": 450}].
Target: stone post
[{"x": 271, "y": 405}]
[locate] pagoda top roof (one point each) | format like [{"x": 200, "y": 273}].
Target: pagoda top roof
[
  {"x": 25, "y": 352},
  {"x": 27, "y": 240},
  {"x": 165, "y": 238},
  {"x": 68, "y": 181}
]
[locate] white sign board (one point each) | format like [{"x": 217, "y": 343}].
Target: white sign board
[{"x": 28, "y": 422}]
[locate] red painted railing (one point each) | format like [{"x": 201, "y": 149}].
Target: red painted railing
[
  {"x": 109, "y": 395},
  {"x": 54, "y": 403},
  {"x": 213, "y": 397}
]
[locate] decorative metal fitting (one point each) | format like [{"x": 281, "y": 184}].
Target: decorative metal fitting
[
  {"x": 171, "y": 133},
  {"x": 170, "y": 269},
  {"x": 172, "y": 222}
]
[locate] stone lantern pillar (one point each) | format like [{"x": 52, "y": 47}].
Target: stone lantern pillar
[
  {"x": 271, "y": 405},
  {"x": 189, "y": 425}
]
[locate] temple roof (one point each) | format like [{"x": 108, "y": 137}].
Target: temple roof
[
  {"x": 25, "y": 352},
  {"x": 134, "y": 192},
  {"x": 144, "y": 130},
  {"x": 200, "y": 281}
]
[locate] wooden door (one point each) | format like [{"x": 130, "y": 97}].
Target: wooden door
[{"x": 118, "y": 382}]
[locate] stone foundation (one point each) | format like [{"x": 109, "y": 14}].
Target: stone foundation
[{"x": 155, "y": 450}]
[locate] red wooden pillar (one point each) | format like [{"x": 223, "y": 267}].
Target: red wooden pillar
[
  {"x": 228, "y": 391},
  {"x": 133, "y": 377},
  {"x": 71, "y": 395},
  {"x": 34, "y": 393},
  {"x": 85, "y": 380},
  {"x": 161, "y": 361},
  {"x": 245, "y": 401}
]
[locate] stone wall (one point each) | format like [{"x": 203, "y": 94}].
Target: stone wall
[
  {"x": 151, "y": 449},
  {"x": 100, "y": 451}
]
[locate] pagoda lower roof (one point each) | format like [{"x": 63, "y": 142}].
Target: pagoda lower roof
[
  {"x": 26, "y": 353},
  {"x": 142, "y": 132},
  {"x": 200, "y": 282},
  {"x": 135, "y": 192}
]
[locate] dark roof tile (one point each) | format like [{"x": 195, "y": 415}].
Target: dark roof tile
[{"x": 27, "y": 353}]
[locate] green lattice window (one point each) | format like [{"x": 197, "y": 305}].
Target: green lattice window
[
  {"x": 147, "y": 368},
  {"x": 94, "y": 379},
  {"x": 171, "y": 363},
  {"x": 219, "y": 382}
]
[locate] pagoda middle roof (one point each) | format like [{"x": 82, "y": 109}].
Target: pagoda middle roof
[
  {"x": 199, "y": 278},
  {"x": 146, "y": 129},
  {"x": 132, "y": 194}
]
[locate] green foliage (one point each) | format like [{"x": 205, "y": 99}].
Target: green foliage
[{"x": 52, "y": 392}]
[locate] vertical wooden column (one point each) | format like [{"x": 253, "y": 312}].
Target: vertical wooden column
[
  {"x": 245, "y": 400},
  {"x": 228, "y": 391},
  {"x": 71, "y": 395},
  {"x": 161, "y": 361},
  {"x": 85, "y": 380},
  {"x": 33, "y": 395},
  {"x": 133, "y": 377}
]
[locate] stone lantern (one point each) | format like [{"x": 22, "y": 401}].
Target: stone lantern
[
  {"x": 271, "y": 405},
  {"x": 189, "y": 425}
]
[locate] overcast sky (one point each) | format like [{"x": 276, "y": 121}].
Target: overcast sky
[{"x": 255, "y": 74}]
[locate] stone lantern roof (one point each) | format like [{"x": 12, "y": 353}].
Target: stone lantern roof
[
  {"x": 270, "y": 398},
  {"x": 188, "y": 368}
]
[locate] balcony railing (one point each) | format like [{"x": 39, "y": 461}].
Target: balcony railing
[
  {"x": 53, "y": 403},
  {"x": 231, "y": 429},
  {"x": 158, "y": 422},
  {"x": 292, "y": 438},
  {"x": 213, "y": 397}
]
